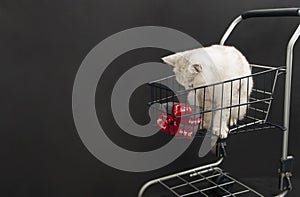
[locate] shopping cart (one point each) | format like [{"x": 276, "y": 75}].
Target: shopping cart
[{"x": 211, "y": 180}]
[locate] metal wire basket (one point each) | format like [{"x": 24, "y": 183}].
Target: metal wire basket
[{"x": 166, "y": 92}]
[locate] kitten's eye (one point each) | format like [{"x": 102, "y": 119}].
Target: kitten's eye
[{"x": 191, "y": 85}]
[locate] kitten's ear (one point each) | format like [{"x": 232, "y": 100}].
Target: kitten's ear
[
  {"x": 195, "y": 68},
  {"x": 174, "y": 59}
]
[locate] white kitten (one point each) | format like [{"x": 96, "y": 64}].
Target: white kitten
[{"x": 209, "y": 65}]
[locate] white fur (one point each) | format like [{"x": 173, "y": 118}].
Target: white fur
[{"x": 209, "y": 65}]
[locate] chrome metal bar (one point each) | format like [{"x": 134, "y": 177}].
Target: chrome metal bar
[
  {"x": 197, "y": 190},
  {"x": 259, "y": 110},
  {"x": 158, "y": 80},
  {"x": 227, "y": 107},
  {"x": 273, "y": 88},
  {"x": 191, "y": 193},
  {"x": 253, "y": 118},
  {"x": 230, "y": 177},
  {"x": 195, "y": 181},
  {"x": 183, "y": 91},
  {"x": 240, "y": 192},
  {"x": 287, "y": 97},
  {"x": 282, "y": 194},
  {"x": 265, "y": 101},
  {"x": 201, "y": 172},
  {"x": 230, "y": 29},
  {"x": 247, "y": 124},
  {"x": 154, "y": 181},
  {"x": 265, "y": 66},
  {"x": 217, "y": 185},
  {"x": 263, "y": 92},
  {"x": 169, "y": 188},
  {"x": 220, "y": 185}
]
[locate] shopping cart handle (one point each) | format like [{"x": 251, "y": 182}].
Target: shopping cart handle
[{"x": 278, "y": 12}]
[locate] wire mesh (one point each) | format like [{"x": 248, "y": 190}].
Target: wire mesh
[
  {"x": 210, "y": 182},
  {"x": 242, "y": 114}
]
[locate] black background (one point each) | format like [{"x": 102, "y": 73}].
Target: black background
[{"x": 42, "y": 46}]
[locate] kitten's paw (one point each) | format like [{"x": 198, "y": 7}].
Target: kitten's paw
[
  {"x": 232, "y": 121},
  {"x": 224, "y": 133}
]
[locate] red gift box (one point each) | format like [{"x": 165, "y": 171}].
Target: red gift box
[
  {"x": 185, "y": 132},
  {"x": 180, "y": 109},
  {"x": 169, "y": 124}
]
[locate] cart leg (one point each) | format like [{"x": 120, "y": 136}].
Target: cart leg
[
  {"x": 285, "y": 174},
  {"x": 145, "y": 186},
  {"x": 282, "y": 194},
  {"x": 286, "y": 161}
]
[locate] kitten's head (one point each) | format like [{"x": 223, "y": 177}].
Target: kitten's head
[{"x": 185, "y": 71}]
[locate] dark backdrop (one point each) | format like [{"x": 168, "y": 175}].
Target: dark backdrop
[{"x": 42, "y": 46}]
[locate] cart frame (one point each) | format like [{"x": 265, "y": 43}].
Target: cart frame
[{"x": 285, "y": 170}]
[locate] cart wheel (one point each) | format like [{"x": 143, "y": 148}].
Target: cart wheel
[{"x": 221, "y": 180}]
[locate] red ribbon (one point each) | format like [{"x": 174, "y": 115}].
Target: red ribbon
[{"x": 169, "y": 124}]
